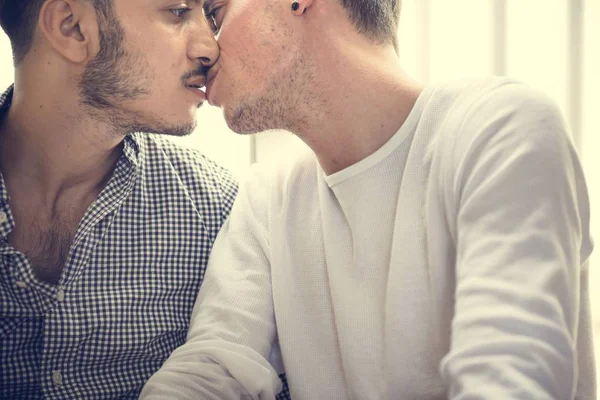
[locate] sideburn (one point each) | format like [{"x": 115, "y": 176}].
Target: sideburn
[{"x": 110, "y": 77}]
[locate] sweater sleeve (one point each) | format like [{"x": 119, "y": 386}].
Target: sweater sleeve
[
  {"x": 232, "y": 328},
  {"x": 522, "y": 233}
]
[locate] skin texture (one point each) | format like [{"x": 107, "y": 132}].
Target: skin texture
[
  {"x": 263, "y": 76},
  {"x": 145, "y": 59},
  {"x": 308, "y": 71},
  {"x": 88, "y": 80}
]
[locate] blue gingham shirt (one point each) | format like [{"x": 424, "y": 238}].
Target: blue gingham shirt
[{"x": 128, "y": 287}]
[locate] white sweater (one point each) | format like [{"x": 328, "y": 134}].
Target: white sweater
[{"x": 448, "y": 264}]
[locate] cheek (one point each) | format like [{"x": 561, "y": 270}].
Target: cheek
[
  {"x": 248, "y": 56},
  {"x": 159, "y": 54},
  {"x": 163, "y": 66},
  {"x": 248, "y": 38}
]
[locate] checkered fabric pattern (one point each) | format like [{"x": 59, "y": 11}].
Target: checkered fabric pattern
[{"x": 125, "y": 298}]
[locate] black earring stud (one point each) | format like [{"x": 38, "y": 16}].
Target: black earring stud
[{"x": 295, "y": 5}]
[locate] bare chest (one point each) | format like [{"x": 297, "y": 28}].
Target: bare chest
[{"x": 45, "y": 241}]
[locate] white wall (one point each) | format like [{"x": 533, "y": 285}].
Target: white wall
[
  {"x": 6, "y": 66},
  {"x": 447, "y": 39},
  {"x": 590, "y": 146}
]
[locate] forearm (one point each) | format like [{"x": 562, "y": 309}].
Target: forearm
[
  {"x": 213, "y": 370},
  {"x": 232, "y": 330}
]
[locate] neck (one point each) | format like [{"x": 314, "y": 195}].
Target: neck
[
  {"x": 48, "y": 147},
  {"x": 363, "y": 102}
]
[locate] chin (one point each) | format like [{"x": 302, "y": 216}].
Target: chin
[
  {"x": 259, "y": 115},
  {"x": 180, "y": 129},
  {"x": 234, "y": 117},
  {"x": 243, "y": 126}
]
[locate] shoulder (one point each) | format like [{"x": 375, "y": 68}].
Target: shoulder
[
  {"x": 476, "y": 103},
  {"x": 478, "y": 100},
  {"x": 499, "y": 113},
  {"x": 202, "y": 178},
  {"x": 190, "y": 164}
]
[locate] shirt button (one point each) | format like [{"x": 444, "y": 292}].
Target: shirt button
[
  {"x": 22, "y": 285},
  {"x": 57, "y": 378},
  {"x": 3, "y": 217},
  {"x": 60, "y": 296}
]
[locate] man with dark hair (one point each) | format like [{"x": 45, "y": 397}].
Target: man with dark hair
[
  {"x": 430, "y": 243},
  {"x": 104, "y": 230}
]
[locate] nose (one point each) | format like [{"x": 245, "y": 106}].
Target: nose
[{"x": 204, "y": 47}]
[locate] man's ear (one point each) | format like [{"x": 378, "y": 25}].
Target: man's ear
[
  {"x": 69, "y": 27},
  {"x": 303, "y": 6}
]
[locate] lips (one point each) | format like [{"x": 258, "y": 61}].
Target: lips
[{"x": 197, "y": 83}]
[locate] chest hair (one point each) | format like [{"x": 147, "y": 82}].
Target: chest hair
[{"x": 46, "y": 243}]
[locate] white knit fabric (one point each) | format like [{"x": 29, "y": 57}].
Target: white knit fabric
[{"x": 448, "y": 264}]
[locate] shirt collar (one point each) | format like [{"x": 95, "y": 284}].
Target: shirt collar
[
  {"x": 3, "y": 193},
  {"x": 5, "y": 102},
  {"x": 132, "y": 148}
]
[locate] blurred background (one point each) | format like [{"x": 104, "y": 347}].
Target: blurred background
[{"x": 552, "y": 45}]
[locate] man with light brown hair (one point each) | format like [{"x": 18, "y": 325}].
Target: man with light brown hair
[{"x": 430, "y": 243}]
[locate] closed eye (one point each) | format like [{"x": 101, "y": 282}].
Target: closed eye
[
  {"x": 180, "y": 12},
  {"x": 211, "y": 16}
]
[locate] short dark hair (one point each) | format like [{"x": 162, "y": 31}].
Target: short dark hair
[
  {"x": 377, "y": 19},
  {"x": 18, "y": 19}
]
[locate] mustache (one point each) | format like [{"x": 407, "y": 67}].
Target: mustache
[{"x": 202, "y": 71}]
